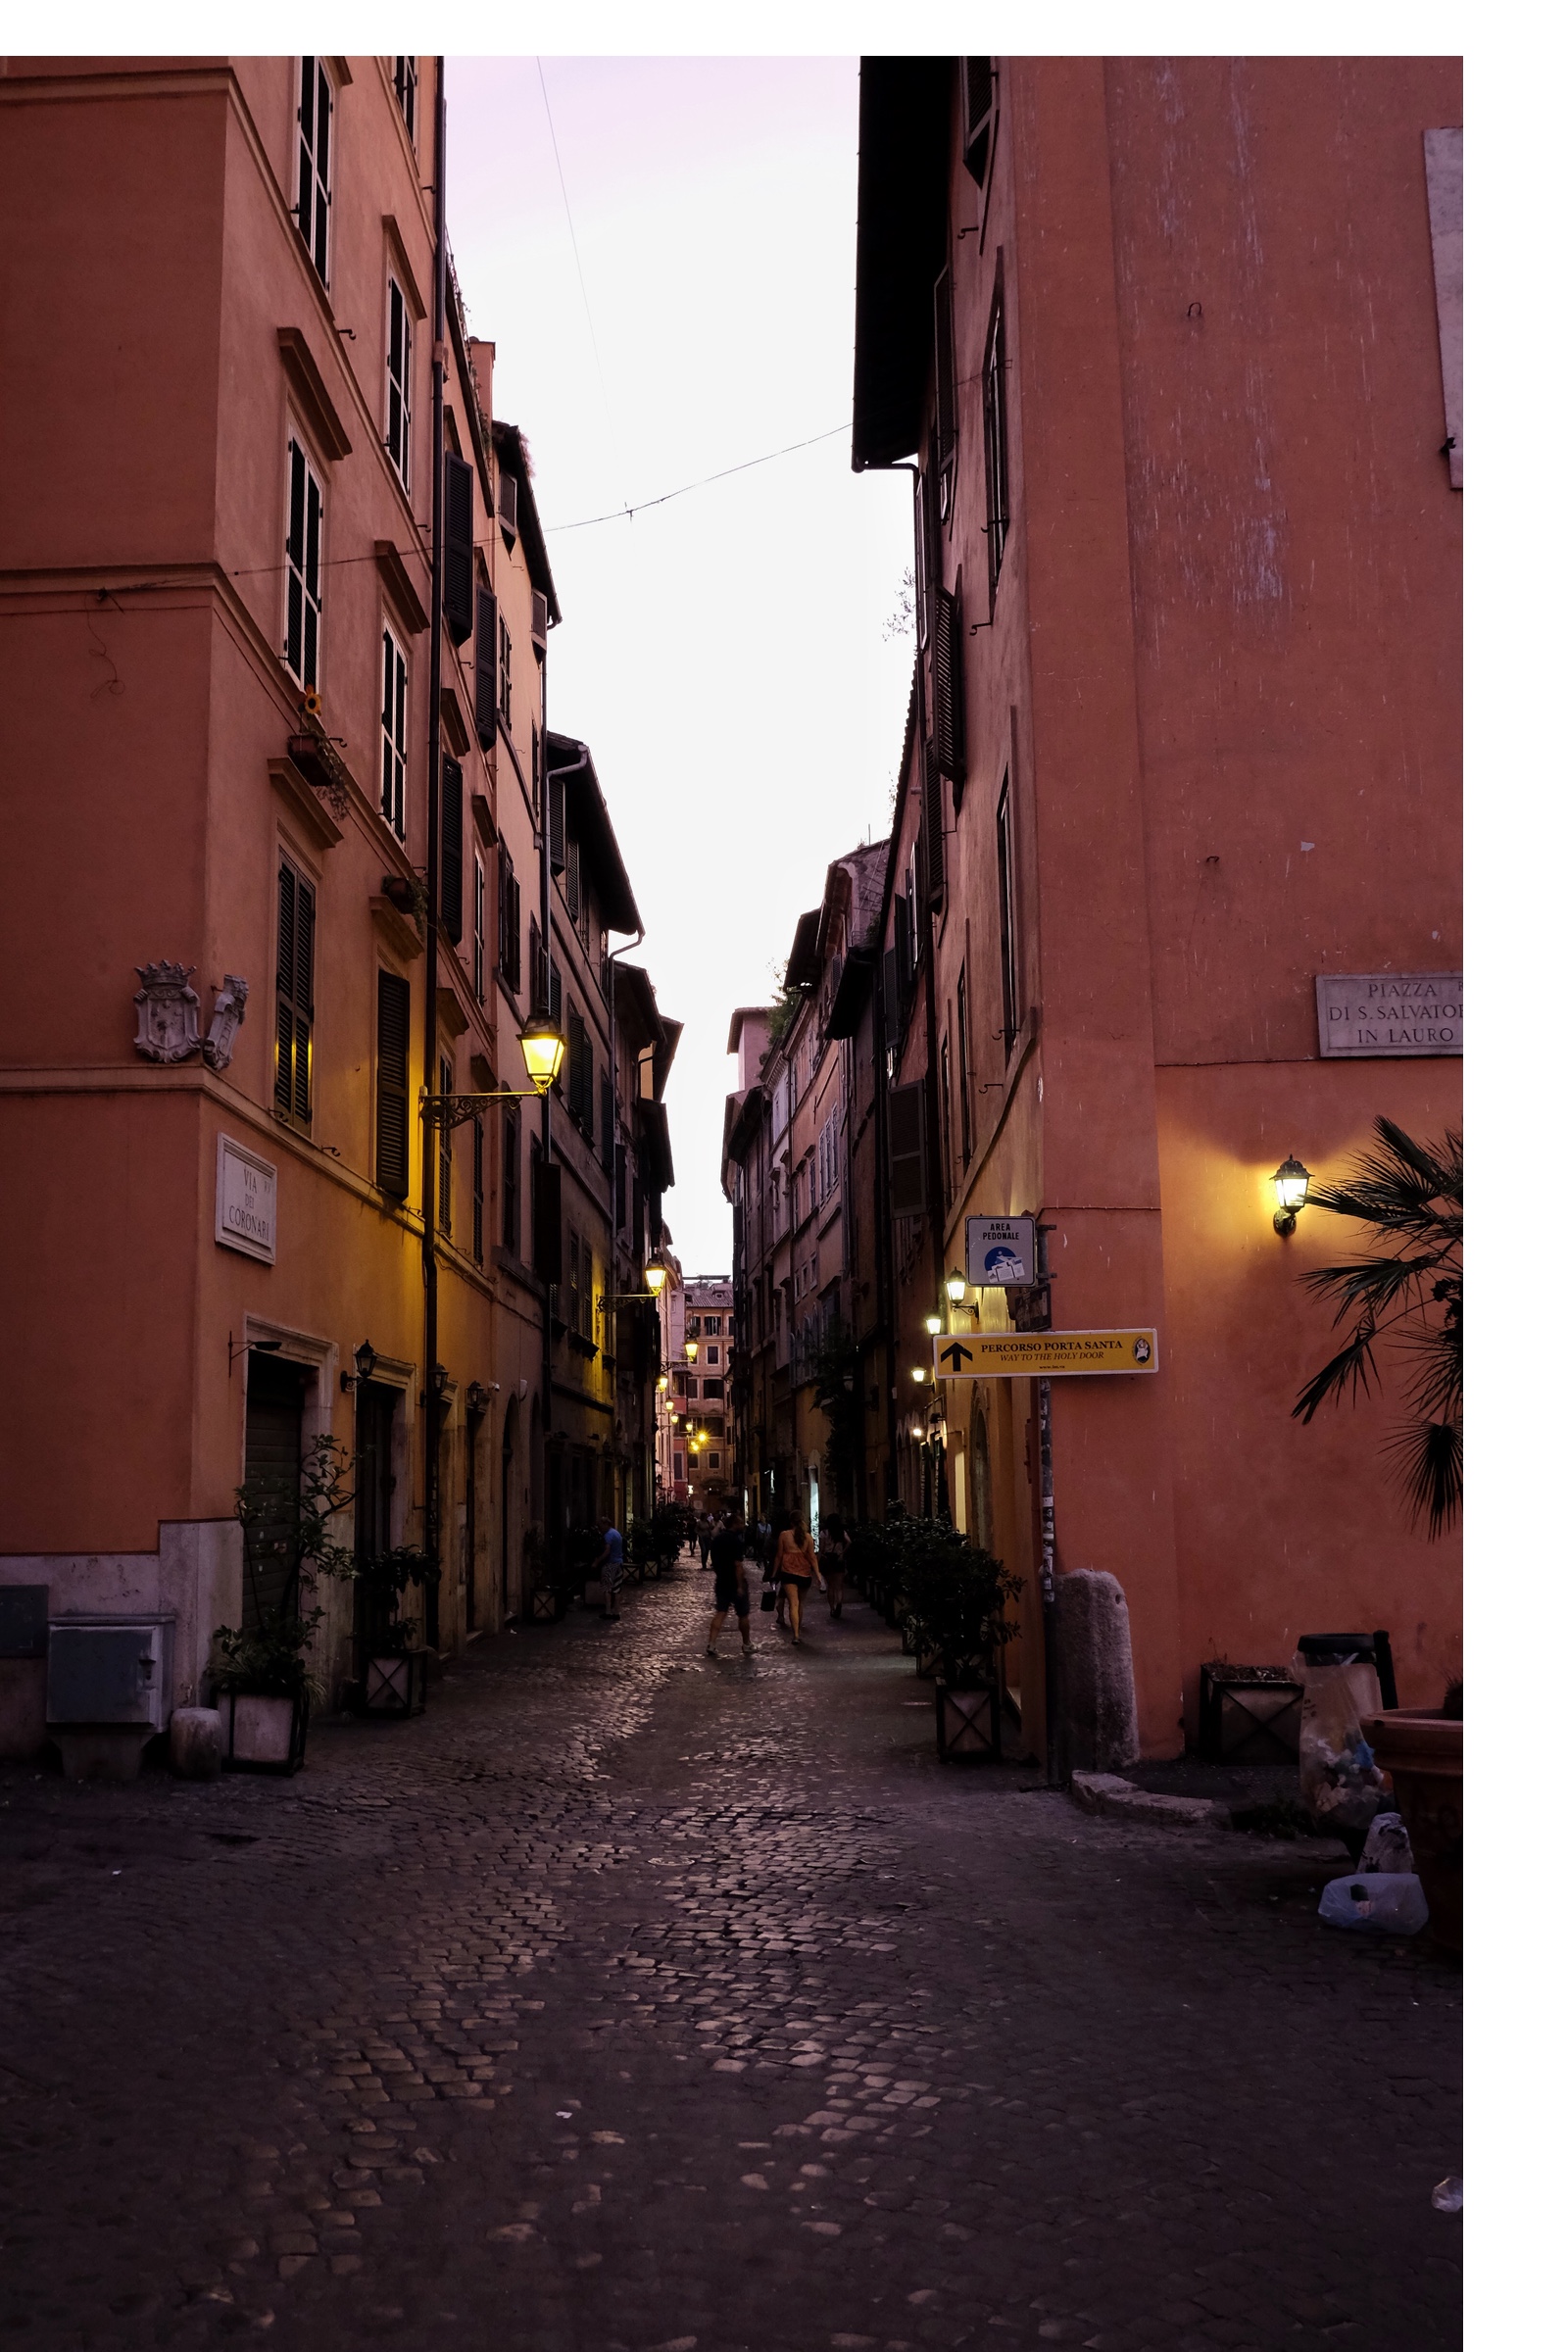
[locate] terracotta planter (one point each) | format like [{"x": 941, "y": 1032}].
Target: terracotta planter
[{"x": 1423, "y": 1753}]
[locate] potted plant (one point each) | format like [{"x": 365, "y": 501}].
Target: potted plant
[
  {"x": 1422, "y": 1749},
  {"x": 956, "y": 1597},
  {"x": 393, "y": 1656},
  {"x": 263, "y": 1684}
]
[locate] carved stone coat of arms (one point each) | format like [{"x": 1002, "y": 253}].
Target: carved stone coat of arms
[{"x": 168, "y": 1012}]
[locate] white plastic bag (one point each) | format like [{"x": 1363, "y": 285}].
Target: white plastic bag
[
  {"x": 1387, "y": 1902},
  {"x": 1388, "y": 1847}
]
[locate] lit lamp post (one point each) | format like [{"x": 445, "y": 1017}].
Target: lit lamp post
[{"x": 1292, "y": 1183}]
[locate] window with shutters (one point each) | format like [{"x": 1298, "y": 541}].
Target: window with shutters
[
  {"x": 456, "y": 553},
  {"x": 966, "y": 1070},
  {"x": 1004, "y": 921},
  {"x": 504, "y": 673},
  {"x": 546, "y": 1216},
  {"x": 478, "y": 1190},
  {"x": 947, "y": 687},
  {"x": 406, "y": 83},
  {"x": 451, "y": 879},
  {"x": 906, "y": 1150},
  {"x": 993, "y": 404},
  {"x": 932, "y": 839},
  {"x": 394, "y": 730},
  {"x": 512, "y": 1179},
  {"x": 946, "y": 422},
  {"x": 443, "y": 1155},
  {"x": 944, "y": 1066},
  {"x": 302, "y": 613},
  {"x": 478, "y": 924},
  {"x": 296, "y": 1007},
  {"x": 573, "y": 876},
  {"x": 399, "y": 382},
  {"x": 607, "y": 1125},
  {"x": 509, "y": 914},
  {"x": 573, "y": 1279},
  {"x": 392, "y": 1084},
  {"x": 314, "y": 188},
  {"x": 979, "y": 115},
  {"x": 485, "y": 619},
  {"x": 554, "y": 992}
]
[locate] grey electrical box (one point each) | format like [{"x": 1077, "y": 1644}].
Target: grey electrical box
[{"x": 108, "y": 1670}]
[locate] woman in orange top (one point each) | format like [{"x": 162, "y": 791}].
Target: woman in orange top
[{"x": 794, "y": 1566}]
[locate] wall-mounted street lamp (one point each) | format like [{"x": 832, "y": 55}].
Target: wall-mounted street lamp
[
  {"x": 366, "y": 1360},
  {"x": 917, "y": 1374},
  {"x": 933, "y": 1324},
  {"x": 954, "y": 1286},
  {"x": 655, "y": 1275},
  {"x": 1292, "y": 1183},
  {"x": 691, "y": 1351},
  {"x": 544, "y": 1050}
]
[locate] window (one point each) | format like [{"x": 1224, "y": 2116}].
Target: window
[
  {"x": 301, "y": 631},
  {"x": 573, "y": 1279},
  {"x": 457, "y": 534},
  {"x": 680, "y": 1465},
  {"x": 729, "y": 1323},
  {"x": 947, "y": 1120},
  {"x": 451, "y": 876},
  {"x": 712, "y": 1355},
  {"x": 512, "y": 1178},
  {"x": 478, "y": 1190},
  {"x": 399, "y": 383},
  {"x": 607, "y": 1123},
  {"x": 947, "y": 425},
  {"x": 508, "y": 921},
  {"x": 486, "y": 617},
  {"x": 444, "y": 1157},
  {"x": 965, "y": 1106},
  {"x": 828, "y": 1151},
  {"x": 1010, "y": 979},
  {"x": 392, "y": 1084},
  {"x": 296, "y": 1010},
  {"x": 406, "y": 83},
  {"x": 573, "y": 876},
  {"x": 710, "y": 1328},
  {"x": 503, "y": 672},
  {"x": 394, "y": 730},
  {"x": 478, "y": 924},
  {"x": 693, "y": 1326},
  {"x": 315, "y": 189},
  {"x": 713, "y": 1388},
  {"x": 994, "y": 401}
]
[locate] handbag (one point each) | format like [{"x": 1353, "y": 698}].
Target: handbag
[{"x": 769, "y": 1593}]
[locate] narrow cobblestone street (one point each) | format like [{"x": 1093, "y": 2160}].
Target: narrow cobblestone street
[{"x": 627, "y": 2001}]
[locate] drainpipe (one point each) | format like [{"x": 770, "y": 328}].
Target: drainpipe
[{"x": 429, "y": 1133}]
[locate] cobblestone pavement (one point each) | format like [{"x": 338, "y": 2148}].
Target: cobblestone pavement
[{"x": 628, "y": 2001}]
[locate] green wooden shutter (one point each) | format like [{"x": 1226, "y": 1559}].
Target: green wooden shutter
[
  {"x": 485, "y": 668},
  {"x": 457, "y": 541},
  {"x": 392, "y": 1084}
]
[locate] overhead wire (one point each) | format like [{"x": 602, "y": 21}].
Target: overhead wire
[
  {"x": 625, "y": 514},
  {"x": 582, "y": 282}
]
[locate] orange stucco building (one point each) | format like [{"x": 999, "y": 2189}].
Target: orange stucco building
[
  {"x": 1171, "y": 349},
  {"x": 223, "y": 753}
]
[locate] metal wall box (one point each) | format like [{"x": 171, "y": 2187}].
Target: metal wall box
[
  {"x": 23, "y": 1621},
  {"x": 110, "y": 1670}
]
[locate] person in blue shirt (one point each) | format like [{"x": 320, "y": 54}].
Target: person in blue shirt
[{"x": 609, "y": 1565}]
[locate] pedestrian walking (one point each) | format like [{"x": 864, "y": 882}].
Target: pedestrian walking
[
  {"x": 796, "y": 1562},
  {"x": 610, "y": 1566},
  {"x": 730, "y": 1587},
  {"x": 704, "y": 1536},
  {"x": 835, "y": 1553}
]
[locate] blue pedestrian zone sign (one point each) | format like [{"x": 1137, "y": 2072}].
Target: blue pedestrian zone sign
[{"x": 998, "y": 1250}]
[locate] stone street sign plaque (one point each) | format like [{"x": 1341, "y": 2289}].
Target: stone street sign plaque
[
  {"x": 1368, "y": 1013},
  {"x": 247, "y": 1201},
  {"x": 998, "y": 1250},
  {"x": 1044, "y": 1354}
]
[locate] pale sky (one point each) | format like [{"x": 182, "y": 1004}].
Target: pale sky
[{"x": 724, "y": 655}]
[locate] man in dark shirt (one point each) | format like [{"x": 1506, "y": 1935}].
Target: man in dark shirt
[{"x": 730, "y": 1588}]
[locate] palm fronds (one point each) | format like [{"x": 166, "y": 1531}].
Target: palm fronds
[{"x": 1411, "y": 1295}]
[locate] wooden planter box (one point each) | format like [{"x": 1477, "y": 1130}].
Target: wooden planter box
[
  {"x": 260, "y": 1732},
  {"x": 968, "y": 1722},
  {"x": 1247, "y": 1715},
  {"x": 392, "y": 1684},
  {"x": 545, "y": 1605}
]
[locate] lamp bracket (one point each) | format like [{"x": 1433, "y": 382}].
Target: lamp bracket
[{"x": 447, "y": 1111}]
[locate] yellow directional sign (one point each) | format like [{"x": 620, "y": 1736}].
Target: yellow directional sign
[{"x": 1048, "y": 1354}]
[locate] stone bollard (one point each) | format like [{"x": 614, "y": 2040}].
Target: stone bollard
[
  {"x": 196, "y": 1743},
  {"x": 1100, "y": 1712}
]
